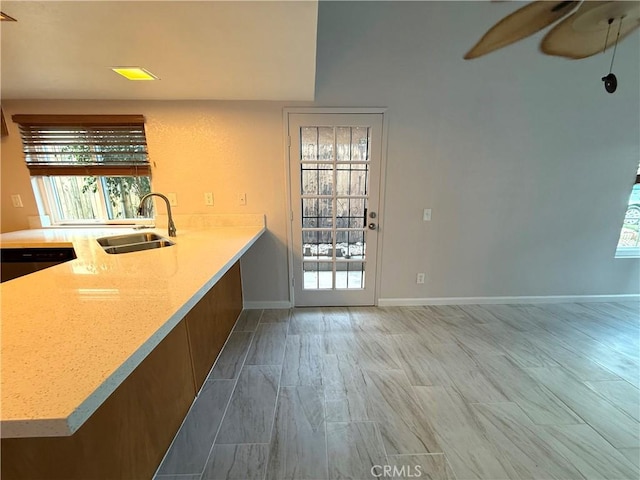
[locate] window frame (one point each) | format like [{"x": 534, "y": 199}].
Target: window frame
[
  {"x": 629, "y": 252},
  {"x": 49, "y": 207}
]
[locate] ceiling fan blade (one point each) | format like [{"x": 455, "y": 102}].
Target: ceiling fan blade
[
  {"x": 520, "y": 24},
  {"x": 584, "y": 33}
]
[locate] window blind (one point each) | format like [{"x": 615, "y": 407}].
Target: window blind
[{"x": 86, "y": 145}]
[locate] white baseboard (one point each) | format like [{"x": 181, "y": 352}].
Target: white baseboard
[
  {"x": 266, "y": 305},
  {"x": 405, "y": 302},
  {"x": 408, "y": 302}
]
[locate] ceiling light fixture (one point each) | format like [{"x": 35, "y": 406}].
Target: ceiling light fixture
[
  {"x": 6, "y": 18},
  {"x": 134, "y": 73}
]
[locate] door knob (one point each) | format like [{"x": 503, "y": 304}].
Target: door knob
[{"x": 372, "y": 226}]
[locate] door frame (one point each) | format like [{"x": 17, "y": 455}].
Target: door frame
[{"x": 382, "y": 186}]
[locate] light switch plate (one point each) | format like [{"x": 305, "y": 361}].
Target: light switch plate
[
  {"x": 242, "y": 199},
  {"x": 426, "y": 215},
  {"x": 173, "y": 199}
]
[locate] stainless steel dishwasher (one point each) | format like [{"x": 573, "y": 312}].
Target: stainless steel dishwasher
[{"x": 16, "y": 262}]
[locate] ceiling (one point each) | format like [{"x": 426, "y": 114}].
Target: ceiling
[{"x": 234, "y": 50}]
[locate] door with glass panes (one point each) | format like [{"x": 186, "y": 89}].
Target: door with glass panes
[{"x": 335, "y": 163}]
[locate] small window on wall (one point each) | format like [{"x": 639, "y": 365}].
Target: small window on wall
[
  {"x": 86, "y": 168},
  {"x": 629, "y": 243}
]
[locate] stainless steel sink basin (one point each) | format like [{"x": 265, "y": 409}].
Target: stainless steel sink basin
[
  {"x": 129, "y": 239},
  {"x": 134, "y": 242}
]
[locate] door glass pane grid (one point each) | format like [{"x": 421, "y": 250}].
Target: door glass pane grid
[
  {"x": 317, "y": 144},
  {"x": 318, "y": 275},
  {"x": 352, "y": 181},
  {"x": 334, "y": 196},
  {"x": 317, "y": 244},
  {"x": 317, "y": 212},
  {"x": 349, "y": 275},
  {"x": 353, "y": 144},
  {"x": 333, "y": 275},
  {"x": 317, "y": 178},
  {"x": 350, "y": 244},
  {"x": 351, "y": 212}
]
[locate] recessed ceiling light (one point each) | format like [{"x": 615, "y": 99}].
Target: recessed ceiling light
[
  {"x": 6, "y": 18},
  {"x": 134, "y": 73}
]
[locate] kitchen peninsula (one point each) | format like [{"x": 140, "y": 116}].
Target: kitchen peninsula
[{"x": 103, "y": 355}]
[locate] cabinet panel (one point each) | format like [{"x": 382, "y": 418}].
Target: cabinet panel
[{"x": 210, "y": 321}]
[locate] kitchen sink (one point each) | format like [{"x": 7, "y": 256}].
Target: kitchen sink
[
  {"x": 134, "y": 242},
  {"x": 129, "y": 239}
]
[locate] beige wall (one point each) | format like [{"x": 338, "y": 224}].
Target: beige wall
[
  {"x": 195, "y": 147},
  {"x": 14, "y": 178}
]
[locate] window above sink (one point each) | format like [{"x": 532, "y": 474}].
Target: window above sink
[
  {"x": 95, "y": 199},
  {"x": 87, "y": 169}
]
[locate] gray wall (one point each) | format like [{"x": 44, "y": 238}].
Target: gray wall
[{"x": 525, "y": 160}]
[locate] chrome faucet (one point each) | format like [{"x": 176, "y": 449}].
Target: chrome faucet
[{"x": 142, "y": 210}]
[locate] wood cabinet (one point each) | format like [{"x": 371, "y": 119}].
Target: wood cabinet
[
  {"x": 210, "y": 321},
  {"x": 128, "y": 435}
]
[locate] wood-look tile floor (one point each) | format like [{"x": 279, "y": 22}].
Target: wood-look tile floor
[{"x": 440, "y": 392}]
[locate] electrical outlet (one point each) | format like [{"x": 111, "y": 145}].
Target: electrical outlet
[
  {"x": 420, "y": 278},
  {"x": 208, "y": 199},
  {"x": 17, "y": 201},
  {"x": 173, "y": 199},
  {"x": 426, "y": 215},
  {"x": 242, "y": 199}
]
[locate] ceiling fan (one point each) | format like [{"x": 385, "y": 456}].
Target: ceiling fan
[{"x": 584, "y": 28}]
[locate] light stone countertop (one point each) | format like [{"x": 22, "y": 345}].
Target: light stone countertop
[{"x": 73, "y": 332}]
